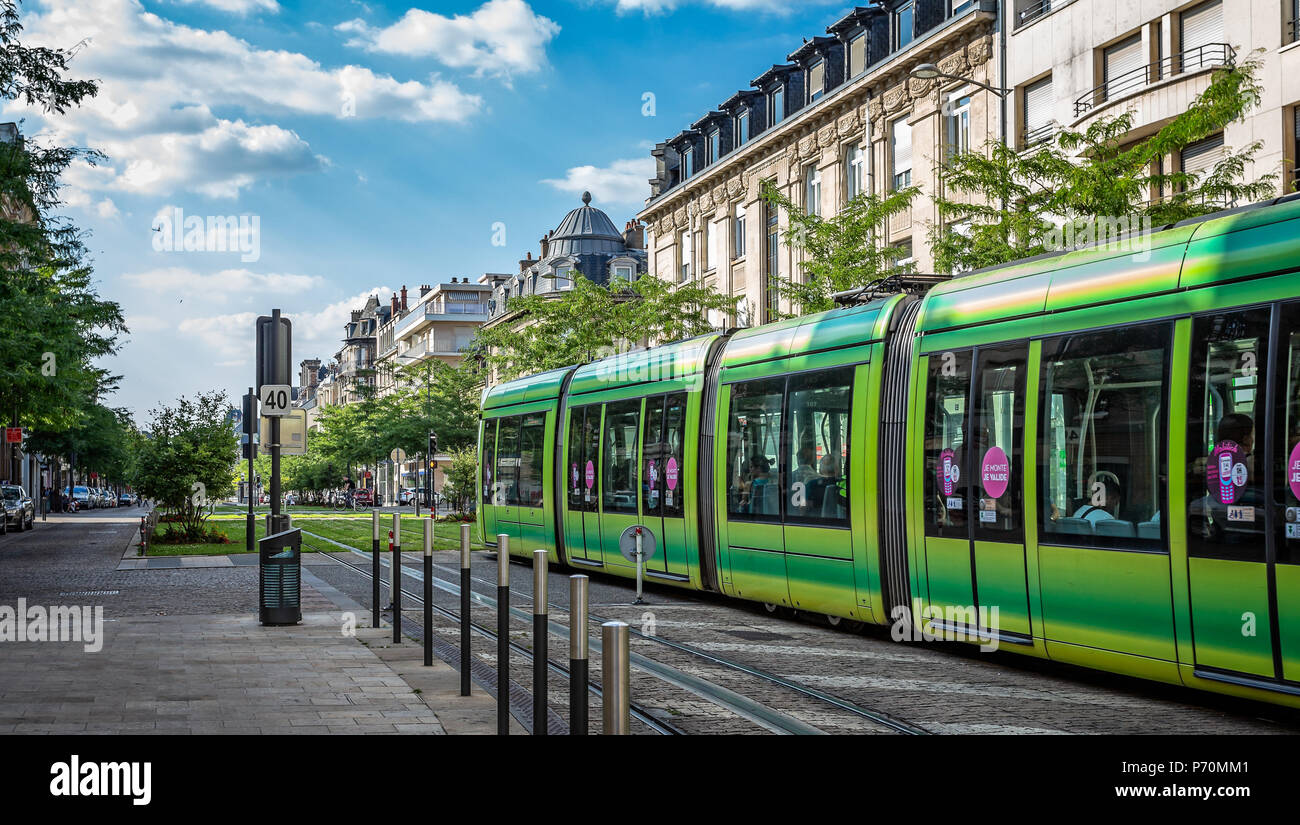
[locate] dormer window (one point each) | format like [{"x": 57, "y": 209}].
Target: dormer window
[
  {"x": 688, "y": 162},
  {"x": 742, "y": 127},
  {"x": 713, "y": 147},
  {"x": 858, "y": 54},
  {"x": 816, "y": 81},
  {"x": 776, "y": 105},
  {"x": 903, "y": 25}
]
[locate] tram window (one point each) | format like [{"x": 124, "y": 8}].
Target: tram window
[
  {"x": 532, "y": 443},
  {"x": 618, "y": 487},
  {"x": 1287, "y": 452},
  {"x": 654, "y": 459},
  {"x": 591, "y": 458},
  {"x": 675, "y": 443},
  {"x": 575, "y": 475},
  {"x": 506, "y": 490},
  {"x": 489, "y": 454},
  {"x": 1102, "y": 447},
  {"x": 818, "y": 447},
  {"x": 754, "y": 450},
  {"x": 947, "y": 476},
  {"x": 999, "y": 422},
  {"x": 1225, "y": 420}
]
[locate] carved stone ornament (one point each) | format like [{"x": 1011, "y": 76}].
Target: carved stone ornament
[
  {"x": 807, "y": 145},
  {"x": 664, "y": 227},
  {"x": 919, "y": 87},
  {"x": 720, "y": 194},
  {"x": 955, "y": 64},
  {"x": 826, "y": 136},
  {"x": 897, "y": 98},
  {"x": 875, "y": 110},
  {"x": 736, "y": 186},
  {"x": 980, "y": 51},
  {"x": 679, "y": 218},
  {"x": 849, "y": 125}
]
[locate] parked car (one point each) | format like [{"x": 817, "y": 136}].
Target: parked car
[
  {"x": 107, "y": 498},
  {"x": 80, "y": 495},
  {"x": 364, "y": 497},
  {"x": 125, "y": 499},
  {"x": 408, "y": 496},
  {"x": 19, "y": 509}
]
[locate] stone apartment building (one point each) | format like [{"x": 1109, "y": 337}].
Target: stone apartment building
[{"x": 844, "y": 114}]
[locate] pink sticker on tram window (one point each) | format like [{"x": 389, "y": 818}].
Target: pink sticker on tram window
[
  {"x": 996, "y": 473},
  {"x": 1224, "y": 472},
  {"x": 591, "y": 474},
  {"x": 652, "y": 473},
  {"x": 1293, "y": 471},
  {"x": 948, "y": 472},
  {"x": 670, "y": 473}
]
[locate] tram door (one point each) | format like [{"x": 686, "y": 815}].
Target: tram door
[
  {"x": 973, "y": 482},
  {"x": 663, "y": 482},
  {"x": 620, "y": 436},
  {"x": 580, "y": 482},
  {"x": 1243, "y": 542}
]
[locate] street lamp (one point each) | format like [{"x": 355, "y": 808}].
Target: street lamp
[{"x": 929, "y": 71}]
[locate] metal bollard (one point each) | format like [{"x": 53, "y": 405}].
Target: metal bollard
[
  {"x": 615, "y": 676},
  {"x": 503, "y": 634},
  {"x": 578, "y": 655},
  {"x": 375, "y": 570},
  {"x": 397, "y": 579},
  {"x": 428, "y": 593},
  {"x": 464, "y": 610},
  {"x": 540, "y": 653}
]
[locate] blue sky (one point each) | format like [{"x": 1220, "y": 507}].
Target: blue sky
[{"x": 377, "y": 144}]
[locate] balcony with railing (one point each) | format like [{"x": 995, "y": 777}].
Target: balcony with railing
[
  {"x": 1208, "y": 56},
  {"x": 1033, "y": 137},
  {"x": 1032, "y": 11},
  {"x": 443, "y": 311}
]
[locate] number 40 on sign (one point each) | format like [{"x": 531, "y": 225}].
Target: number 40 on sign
[{"x": 276, "y": 400}]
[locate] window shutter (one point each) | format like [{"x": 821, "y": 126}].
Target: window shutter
[
  {"x": 1202, "y": 26},
  {"x": 1120, "y": 60},
  {"x": 1200, "y": 157},
  {"x": 902, "y": 147},
  {"x": 1038, "y": 109}
]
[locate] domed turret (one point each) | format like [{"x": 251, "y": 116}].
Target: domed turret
[{"x": 584, "y": 231}]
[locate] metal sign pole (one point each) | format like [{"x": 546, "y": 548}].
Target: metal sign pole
[
  {"x": 376, "y": 573},
  {"x": 250, "y": 529},
  {"x": 397, "y": 578},
  {"x": 540, "y": 654},
  {"x": 640, "y": 564},
  {"x": 503, "y": 634},
  {"x": 464, "y": 610},
  {"x": 578, "y": 655},
  {"x": 275, "y": 426},
  {"x": 428, "y": 593}
]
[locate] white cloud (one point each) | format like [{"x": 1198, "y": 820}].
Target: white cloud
[
  {"x": 161, "y": 82},
  {"x": 182, "y": 281},
  {"x": 661, "y": 6},
  {"x": 106, "y": 208},
  {"x": 500, "y": 37},
  {"x": 623, "y": 181},
  {"x": 234, "y": 6}
]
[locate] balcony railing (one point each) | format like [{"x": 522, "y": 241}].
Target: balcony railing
[
  {"x": 1293, "y": 27},
  {"x": 1211, "y": 55},
  {"x": 1033, "y": 137},
  {"x": 1033, "y": 11}
]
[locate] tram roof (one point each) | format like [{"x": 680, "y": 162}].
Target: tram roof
[
  {"x": 540, "y": 387},
  {"x": 833, "y": 329},
  {"x": 678, "y": 360},
  {"x": 1234, "y": 244}
]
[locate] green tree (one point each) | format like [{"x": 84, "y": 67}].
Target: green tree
[
  {"x": 842, "y": 252},
  {"x": 189, "y": 459},
  {"x": 590, "y": 320},
  {"x": 462, "y": 478},
  {"x": 58, "y": 323},
  {"x": 1013, "y": 204}
]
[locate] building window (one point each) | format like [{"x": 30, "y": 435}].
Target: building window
[
  {"x": 1295, "y": 147},
  {"x": 1293, "y": 24},
  {"x": 1202, "y": 36},
  {"x": 1123, "y": 68},
  {"x": 957, "y": 125},
  {"x": 714, "y": 146},
  {"x": 904, "y": 253},
  {"x": 855, "y": 166},
  {"x": 684, "y": 273},
  {"x": 738, "y": 230},
  {"x": 1037, "y": 102},
  {"x": 1200, "y": 158},
  {"x": 717, "y": 233},
  {"x": 901, "y": 149},
  {"x": 623, "y": 272},
  {"x": 858, "y": 54},
  {"x": 903, "y": 25},
  {"x": 742, "y": 127},
  {"x": 688, "y": 163},
  {"x": 771, "y": 272},
  {"x": 776, "y": 105},
  {"x": 816, "y": 81},
  {"x": 812, "y": 192}
]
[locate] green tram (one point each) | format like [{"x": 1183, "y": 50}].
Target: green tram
[{"x": 991, "y": 458}]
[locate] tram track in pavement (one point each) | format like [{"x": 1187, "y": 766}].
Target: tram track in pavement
[{"x": 766, "y": 717}]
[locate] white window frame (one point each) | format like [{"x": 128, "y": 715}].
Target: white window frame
[
  {"x": 855, "y": 172},
  {"x": 957, "y": 115},
  {"x": 738, "y": 232},
  {"x": 684, "y": 253},
  {"x": 812, "y": 189},
  {"x": 816, "y": 94},
  {"x": 897, "y": 171}
]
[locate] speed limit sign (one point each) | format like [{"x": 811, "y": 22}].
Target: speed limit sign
[{"x": 277, "y": 400}]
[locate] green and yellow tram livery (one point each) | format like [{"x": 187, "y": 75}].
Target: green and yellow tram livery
[{"x": 1091, "y": 457}]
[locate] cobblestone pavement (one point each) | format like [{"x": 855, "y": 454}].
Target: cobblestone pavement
[
  {"x": 182, "y": 649},
  {"x": 943, "y": 688}
]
